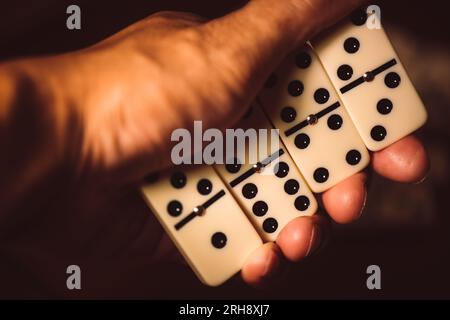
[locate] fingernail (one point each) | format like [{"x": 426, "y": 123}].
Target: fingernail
[
  {"x": 363, "y": 205},
  {"x": 272, "y": 266},
  {"x": 315, "y": 241},
  {"x": 422, "y": 180}
]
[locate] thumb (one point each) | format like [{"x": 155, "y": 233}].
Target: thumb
[{"x": 253, "y": 40}]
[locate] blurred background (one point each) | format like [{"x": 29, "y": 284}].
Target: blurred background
[{"x": 405, "y": 229}]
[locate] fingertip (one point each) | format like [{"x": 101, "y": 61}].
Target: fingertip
[
  {"x": 300, "y": 237},
  {"x": 262, "y": 265},
  {"x": 404, "y": 161},
  {"x": 345, "y": 201}
]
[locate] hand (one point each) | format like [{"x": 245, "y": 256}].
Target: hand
[{"x": 116, "y": 104}]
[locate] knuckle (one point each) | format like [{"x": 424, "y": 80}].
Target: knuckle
[
  {"x": 184, "y": 18},
  {"x": 191, "y": 17}
]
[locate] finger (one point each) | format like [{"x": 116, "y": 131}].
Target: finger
[
  {"x": 262, "y": 265},
  {"x": 260, "y": 34},
  {"x": 404, "y": 161},
  {"x": 345, "y": 201},
  {"x": 303, "y": 236}
]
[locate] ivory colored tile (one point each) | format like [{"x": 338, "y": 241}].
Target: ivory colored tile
[
  {"x": 203, "y": 220},
  {"x": 371, "y": 80}
]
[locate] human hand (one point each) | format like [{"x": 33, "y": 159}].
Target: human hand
[{"x": 119, "y": 101}]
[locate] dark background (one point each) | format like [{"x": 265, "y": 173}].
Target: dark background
[{"x": 405, "y": 228}]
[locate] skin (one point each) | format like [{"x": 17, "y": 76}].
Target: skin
[{"x": 105, "y": 114}]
